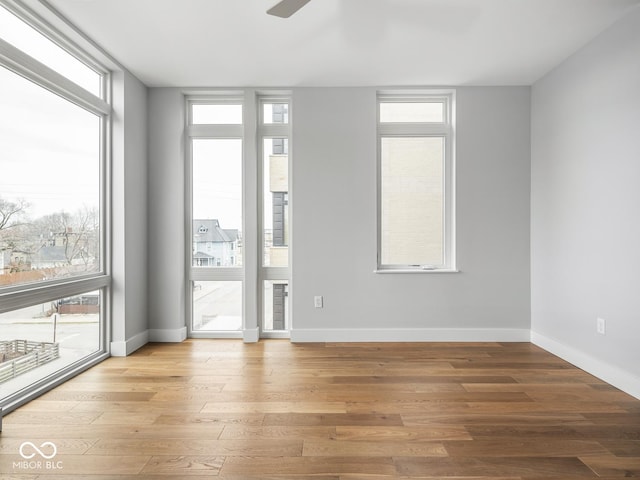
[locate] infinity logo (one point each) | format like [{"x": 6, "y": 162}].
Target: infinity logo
[{"x": 37, "y": 450}]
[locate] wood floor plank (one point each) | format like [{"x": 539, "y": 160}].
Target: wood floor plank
[
  {"x": 308, "y": 466},
  {"x": 236, "y": 432},
  {"x": 144, "y": 387},
  {"x": 274, "y": 407},
  {"x": 192, "y": 446},
  {"x": 622, "y": 448},
  {"x": 177, "y": 466},
  {"x": 575, "y": 432},
  {"x": 51, "y": 406},
  {"x": 494, "y": 466},
  {"x": 331, "y": 419},
  {"x": 211, "y": 419},
  {"x": 273, "y": 410},
  {"x": 615, "y": 418},
  {"x": 375, "y": 379},
  {"x": 431, "y": 397},
  {"x": 404, "y": 433},
  {"x": 150, "y": 407},
  {"x": 43, "y": 433},
  {"x": 247, "y": 396},
  {"x": 613, "y": 465},
  {"x": 49, "y": 418},
  {"x": 120, "y": 418},
  {"x": 523, "y": 447},
  {"x": 474, "y": 418},
  {"x": 333, "y": 448},
  {"x": 104, "y": 396}
]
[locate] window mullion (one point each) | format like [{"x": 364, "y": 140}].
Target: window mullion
[{"x": 215, "y": 131}]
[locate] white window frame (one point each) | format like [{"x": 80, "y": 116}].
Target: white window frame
[
  {"x": 445, "y": 129},
  {"x": 270, "y": 273},
  {"x": 26, "y": 295},
  {"x": 235, "y": 273},
  {"x": 252, "y": 273}
]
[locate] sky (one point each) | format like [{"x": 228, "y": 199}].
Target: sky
[
  {"x": 217, "y": 181},
  {"x": 49, "y": 148}
]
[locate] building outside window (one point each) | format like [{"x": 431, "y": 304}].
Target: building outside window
[
  {"x": 213, "y": 245},
  {"x": 275, "y": 129}
]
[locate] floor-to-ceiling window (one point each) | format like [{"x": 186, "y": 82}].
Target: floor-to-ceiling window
[
  {"x": 53, "y": 179},
  {"x": 215, "y": 131},
  {"x": 238, "y": 228},
  {"x": 274, "y": 133}
]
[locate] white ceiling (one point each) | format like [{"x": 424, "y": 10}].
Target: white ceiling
[{"x": 231, "y": 43}]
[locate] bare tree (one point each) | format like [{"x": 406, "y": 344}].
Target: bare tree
[
  {"x": 77, "y": 234},
  {"x": 11, "y": 224},
  {"x": 60, "y": 242},
  {"x": 10, "y": 213}
]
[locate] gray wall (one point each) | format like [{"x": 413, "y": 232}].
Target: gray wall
[
  {"x": 334, "y": 224},
  {"x": 129, "y": 193},
  {"x": 166, "y": 215},
  {"x": 585, "y": 199}
]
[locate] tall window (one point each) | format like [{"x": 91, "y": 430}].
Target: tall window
[
  {"x": 274, "y": 131},
  {"x": 53, "y": 273},
  {"x": 415, "y": 175},
  {"x": 216, "y": 132}
]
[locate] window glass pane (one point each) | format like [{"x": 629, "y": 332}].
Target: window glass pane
[
  {"x": 33, "y": 43},
  {"x": 276, "y": 305},
  {"x": 37, "y": 341},
  {"x": 276, "y": 202},
  {"x": 221, "y": 114},
  {"x": 412, "y": 206},
  {"x": 275, "y": 113},
  {"x": 49, "y": 185},
  {"x": 411, "y": 112},
  {"x": 217, "y": 306},
  {"x": 217, "y": 202}
]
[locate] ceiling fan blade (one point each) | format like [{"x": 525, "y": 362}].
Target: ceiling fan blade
[{"x": 286, "y": 8}]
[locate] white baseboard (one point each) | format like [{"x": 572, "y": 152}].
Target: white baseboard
[
  {"x": 168, "y": 335},
  {"x": 251, "y": 335},
  {"x": 127, "y": 347},
  {"x": 619, "y": 378},
  {"x": 410, "y": 335}
]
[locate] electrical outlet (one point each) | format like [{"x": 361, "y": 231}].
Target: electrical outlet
[
  {"x": 317, "y": 301},
  {"x": 601, "y": 326}
]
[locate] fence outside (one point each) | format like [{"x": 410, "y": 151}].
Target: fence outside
[{"x": 20, "y": 356}]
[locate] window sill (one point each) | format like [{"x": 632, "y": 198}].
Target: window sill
[{"x": 416, "y": 270}]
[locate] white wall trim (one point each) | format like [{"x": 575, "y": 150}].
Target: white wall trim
[
  {"x": 169, "y": 335},
  {"x": 127, "y": 347},
  {"x": 619, "y": 378},
  {"x": 251, "y": 335},
  {"x": 410, "y": 335}
]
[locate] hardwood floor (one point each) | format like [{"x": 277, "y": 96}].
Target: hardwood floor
[{"x": 276, "y": 410}]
